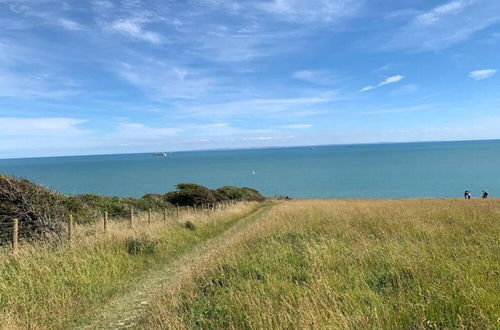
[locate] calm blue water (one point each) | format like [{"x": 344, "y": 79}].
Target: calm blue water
[{"x": 438, "y": 169}]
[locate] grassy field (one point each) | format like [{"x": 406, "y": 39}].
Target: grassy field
[
  {"x": 342, "y": 264},
  {"x": 356, "y": 264},
  {"x": 56, "y": 286}
]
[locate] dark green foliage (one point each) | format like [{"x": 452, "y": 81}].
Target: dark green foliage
[
  {"x": 42, "y": 212},
  {"x": 39, "y": 210},
  {"x": 189, "y": 225},
  {"x": 87, "y": 207},
  {"x": 236, "y": 193},
  {"x": 191, "y": 194},
  {"x": 141, "y": 245}
]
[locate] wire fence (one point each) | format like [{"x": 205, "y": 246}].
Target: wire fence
[{"x": 14, "y": 231}]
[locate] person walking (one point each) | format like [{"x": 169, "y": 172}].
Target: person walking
[
  {"x": 467, "y": 194},
  {"x": 485, "y": 194}
]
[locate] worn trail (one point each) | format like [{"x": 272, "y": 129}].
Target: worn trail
[{"x": 123, "y": 311}]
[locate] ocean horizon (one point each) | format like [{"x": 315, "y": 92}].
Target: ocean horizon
[{"x": 376, "y": 170}]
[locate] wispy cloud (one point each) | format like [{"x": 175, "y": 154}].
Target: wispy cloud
[
  {"x": 482, "y": 74},
  {"x": 134, "y": 29},
  {"x": 41, "y": 85},
  {"x": 446, "y": 25},
  {"x": 31, "y": 10},
  {"x": 69, "y": 24},
  {"x": 397, "y": 110},
  {"x": 440, "y": 12},
  {"x": 163, "y": 80},
  {"x": 261, "y": 108},
  {"x": 387, "y": 81},
  {"x": 319, "y": 77},
  {"x": 310, "y": 10},
  {"x": 41, "y": 127},
  {"x": 297, "y": 126}
]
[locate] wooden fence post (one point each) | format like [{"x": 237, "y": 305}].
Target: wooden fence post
[
  {"x": 177, "y": 209},
  {"x": 149, "y": 216},
  {"x": 15, "y": 237},
  {"x": 70, "y": 227},
  {"x": 165, "y": 214},
  {"x": 105, "y": 221},
  {"x": 131, "y": 223}
]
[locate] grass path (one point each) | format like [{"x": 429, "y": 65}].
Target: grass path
[{"x": 123, "y": 310}]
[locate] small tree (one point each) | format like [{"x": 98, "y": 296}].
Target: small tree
[{"x": 190, "y": 194}]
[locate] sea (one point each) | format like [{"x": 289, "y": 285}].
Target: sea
[{"x": 387, "y": 170}]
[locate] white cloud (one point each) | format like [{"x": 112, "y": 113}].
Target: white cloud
[
  {"x": 387, "y": 81},
  {"x": 133, "y": 130},
  {"x": 391, "y": 80},
  {"x": 297, "y": 126},
  {"x": 43, "y": 126},
  {"x": 319, "y": 77},
  {"x": 134, "y": 133},
  {"x": 261, "y": 107},
  {"x": 133, "y": 28},
  {"x": 367, "y": 88},
  {"x": 69, "y": 24},
  {"x": 439, "y": 12},
  {"x": 482, "y": 74},
  {"x": 310, "y": 10},
  {"x": 397, "y": 110},
  {"x": 162, "y": 80},
  {"x": 36, "y": 85},
  {"x": 445, "y": 25}
]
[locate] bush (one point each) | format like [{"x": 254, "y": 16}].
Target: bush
[
  {"x": 235, "y": 193},
  {"x": 191, "y": 194},
  {"x": 189, "y": 225},
  {"x": 40, "y": 211}
]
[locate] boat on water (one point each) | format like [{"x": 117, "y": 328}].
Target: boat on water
[{"x": 160, "y": 154}]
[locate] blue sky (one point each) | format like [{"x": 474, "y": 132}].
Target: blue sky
[{"x": 102, "y": 76}]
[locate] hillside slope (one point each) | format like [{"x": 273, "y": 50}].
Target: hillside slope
[{"x": 346, "y": 264}]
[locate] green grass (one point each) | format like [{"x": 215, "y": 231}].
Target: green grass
[
  {"x": 55, "y": 286},
  {"x": 432, "y": 264}
]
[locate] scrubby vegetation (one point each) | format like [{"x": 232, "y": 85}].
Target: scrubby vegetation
[
  {"x": 415, "y": 264},
  {"x": 38, "y": 210},
  {"x": 193, "y": 194},
  {"x": 41, "y": 211}
]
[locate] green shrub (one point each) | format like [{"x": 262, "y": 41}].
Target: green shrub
[
  {"x": 236, "y": 193},
  {"x": 39, "y": 210},
  {"x": 191, "y": 194}
]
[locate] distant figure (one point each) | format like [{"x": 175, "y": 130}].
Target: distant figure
[
  {"x": 485, "y": 194},
  {"x": 467, "y": 194}
]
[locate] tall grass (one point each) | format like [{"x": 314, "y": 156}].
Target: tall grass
[
  {"x": 54, "y": 286},
  {"x": 347, "y": 264}
]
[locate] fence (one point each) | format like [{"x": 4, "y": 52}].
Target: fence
[{"x": 10, "y": 230}]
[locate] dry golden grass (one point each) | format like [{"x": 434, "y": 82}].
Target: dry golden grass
[
  {"x": 56, "y": 285},
  {"x": 355, "y": 264}
]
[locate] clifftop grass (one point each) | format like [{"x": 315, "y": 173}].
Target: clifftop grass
[
  {"x": 54, "y": 285},
  {"x": 348, "y": 265}
]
